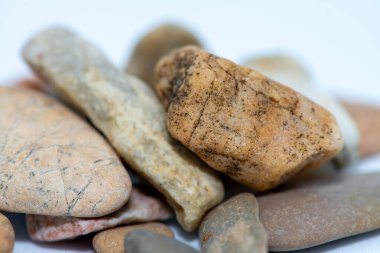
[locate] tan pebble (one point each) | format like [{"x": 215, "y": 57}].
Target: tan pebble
[
  {"x": 240, "y": 122},
  {"x": 53, "y": 162},
  {"x": 7, "y": 235},
  {"x": 112, "y": 240}
]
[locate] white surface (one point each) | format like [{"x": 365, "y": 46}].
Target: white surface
[{"x": 338, "y": 40}]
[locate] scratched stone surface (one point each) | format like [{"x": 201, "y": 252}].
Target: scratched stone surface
[
  {"x": 7, "y": 235},
  {"x": 129, "y": 114},
  {"x": 140, "y": 208},
  {"x": 52, "y": 162},
  {"x": 240, "y": 122},
  {"x": 112, "y": 240},
  {"x": 309, "y": 216}
]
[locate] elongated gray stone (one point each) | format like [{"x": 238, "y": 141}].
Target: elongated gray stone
[
  {"x": 234, "y": 226},
  {"x": 52, "y": 162},
  {"x": 310, "y": 216},
  {"x": 140, "y": 241},
  {"x": 128, "y": 113}
]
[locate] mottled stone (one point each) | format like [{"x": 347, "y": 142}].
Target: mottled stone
[
  {"x": 153, "y": 46},
  {"x": 140, "y": 208},
  {"x": 234, "y": 226},
  {"x": 140, "y": 241},
  {"x": 309, "y": 216},
  {"x": 112, "y": 240},
  {"x": 7, "y": 235},
  {"x": 128, "y": 113},
  {"x": 53, "y": 162},
  {"x": 368, "y": 120},
  {"x": 290, "y": 72},
  {"x": 240, "y": 122}
]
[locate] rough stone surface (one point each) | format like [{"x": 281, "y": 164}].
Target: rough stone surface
[
  {"x": 153, "y": 46},
  {"x": 7, "y": 235},
  {"x": 289, "y": 71},
  {"x": 112, "y": 240},
  {"x": 130, "y": 116},
  {"x": 140, "y": 208},
  {"x": 54, "y": 163},
  {"x": 368, "y": 120},
  {"x": 240, "y": 122},
  {"x": 309, "y": 216},
  {"x": 234, "y": 226},
  {"x": 145, "y": 241}
]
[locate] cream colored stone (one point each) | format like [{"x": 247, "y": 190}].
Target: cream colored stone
[
  {"x": 155, "y": 44},
  {"x": 112, "y": 240},
  {"x": 289, "y": 71},
  {"x": 240, "y": 122},
  {"x": 7, "y": 235},
  {"x": 54, "y": 163},
  {"x": 128, "y": 113}
]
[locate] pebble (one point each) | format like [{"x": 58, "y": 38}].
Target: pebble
[
  {"x": 145, "y": 242},
  {"x": 7, "y": 235},
  {"x": 292, "y": 73},
  {"x": 309, "y": 216},
  {"x": 139, "y": 208},
  {"x": 155, "y": 44},
  {"x": 234, "y": 226},
  {"x": 253, "y": 129},
  {"x": 53, "y": 162},
  {"x": 129, "y": 114},
  {"x": 112, "y": 240}
]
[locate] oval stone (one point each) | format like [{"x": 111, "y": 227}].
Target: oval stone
[
  {"x": 7, "y": 235},
  {"x": 54, "y": 163}
]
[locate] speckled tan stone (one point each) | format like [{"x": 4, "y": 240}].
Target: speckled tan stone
[
  {"x": 7, "y": 235},
  {"x": 309, "y": 216},
  {"x": 155, "y": 44},
  {"x": 240, "y": 122},
  {"x": 128, "y": 113},
  {"x": 112, "y": 240},
  {"x": 368, "y": 120},
  {"x": 234, "y": 226},
  {"x": 140, "y": 208},
  {"x": 292, "y": 73},
  {"x": 53, "y": 162}
]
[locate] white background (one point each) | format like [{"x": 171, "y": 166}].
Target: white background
[{"x": 339, "y": 41}]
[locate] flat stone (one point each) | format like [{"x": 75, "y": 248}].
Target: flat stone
[
  {"x": 129, "y": 114},
  {"x": 234, "y": 226},
  {"x": 53, "y": 162},
  {"x": 140, "y": 241},
  {"x": 240, "y": 122},
  {"x": 291, "y": 72},
  {"x": 139, "y": 208},
  {"x": 112, "y": 240},
  {"x": 310, "y": 216},
  {"x": 7, "y": 235},
  {"x": 367, "y": 118},
  {"x": 155, "y": 44}
]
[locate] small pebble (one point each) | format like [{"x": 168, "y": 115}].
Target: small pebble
[{"x": 7, "y": 235}]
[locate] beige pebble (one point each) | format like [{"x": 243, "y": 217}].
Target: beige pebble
[
  {"x": 240, "y": 122},
  {"x": 112, "y": 240},
  {"x": 128, "y": 113},
  {"x": 7, "y": 235},
  {"x": 53, "y": 162},
  {"x": 155, "y": 44}
]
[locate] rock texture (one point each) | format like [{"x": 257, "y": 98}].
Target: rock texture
[
  {"x": 130, "y": 116},
  {"x": 368, "y": 120},
  {"x": 112, "y": 240},
  {"x": 54, "y": 163},
  {"x": 140, "y": 208},
  {"x": 153, "y": 46},
  {"x": 144, "y": 241},
  {"x": 310, "y": 216},
  {"x": 240, "y": 122},
  {"x": 234, "y": 226},
  {"x": 7, "y": 235},
  {"x": 290, "y": 72}
]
